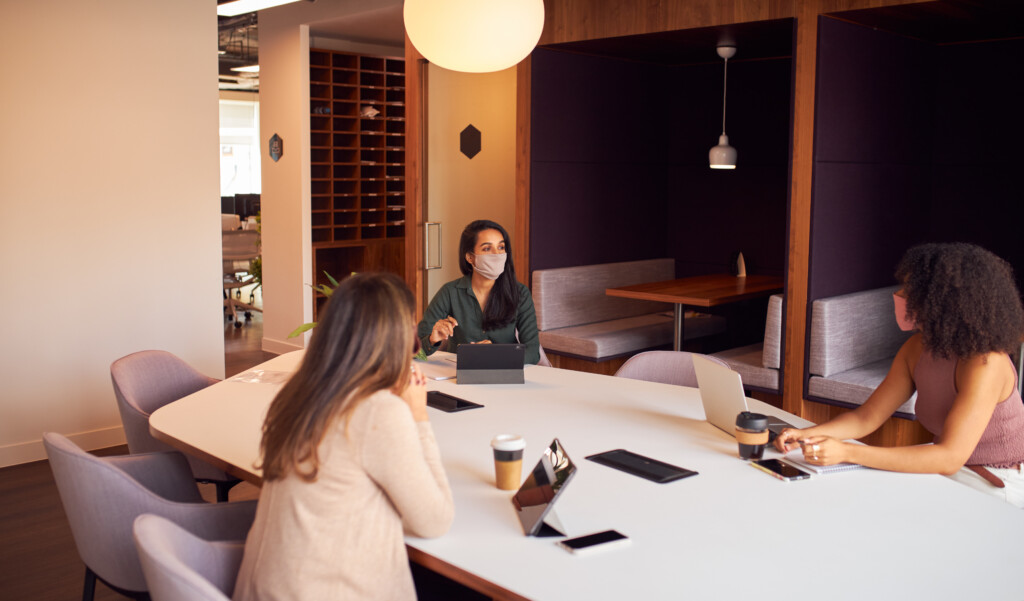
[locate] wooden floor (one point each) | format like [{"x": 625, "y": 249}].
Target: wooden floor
[{"x": 38, "y": 559}]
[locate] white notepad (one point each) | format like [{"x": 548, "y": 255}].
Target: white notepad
[{"x": 821, "y": 469}]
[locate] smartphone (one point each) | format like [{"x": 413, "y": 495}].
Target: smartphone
[
  {"x": 782, "y": 471},
  {"x": 590, "y": 543},
  {"x": 449, "y": 403}
]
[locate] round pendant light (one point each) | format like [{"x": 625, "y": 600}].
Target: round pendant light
[{"x": 474, "y": 36}]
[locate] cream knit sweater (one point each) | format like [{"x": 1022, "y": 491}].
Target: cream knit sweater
[{"x": 341, "y": 536}]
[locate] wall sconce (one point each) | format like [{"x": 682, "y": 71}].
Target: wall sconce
[
  {"x": 723, "y": 156},
  {"x": 474, "y": 36}
]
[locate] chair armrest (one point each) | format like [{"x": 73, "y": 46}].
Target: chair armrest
[
  {"x": 213, "y": 521},
  {"x": 166, "y": 474}
]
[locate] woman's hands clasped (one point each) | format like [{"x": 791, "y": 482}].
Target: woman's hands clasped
[{"x": 415, "y": 394}]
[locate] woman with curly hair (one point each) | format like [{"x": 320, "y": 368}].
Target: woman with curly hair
[{"x": 963, "y": 303}]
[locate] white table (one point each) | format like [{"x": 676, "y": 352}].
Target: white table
[{"x": 731, "y": 532}]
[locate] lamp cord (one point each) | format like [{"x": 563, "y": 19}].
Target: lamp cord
[{"x": 725, "y": 89}]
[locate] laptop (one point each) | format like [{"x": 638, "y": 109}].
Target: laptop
[
  {"x": 490, "y": 363},
  {"x": 721, "y": 392}
]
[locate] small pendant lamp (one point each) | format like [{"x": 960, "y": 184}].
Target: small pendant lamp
[
  {"x": 474, "y": 36},
  {"x": 723, "y": 156}
]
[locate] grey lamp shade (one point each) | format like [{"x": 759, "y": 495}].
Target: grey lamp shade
[{"x": 722, "y": 156}]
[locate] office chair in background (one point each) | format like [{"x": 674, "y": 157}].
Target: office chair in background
[
  {"x": 239, "y": 249},
  {"x": 666, "y": 367}
]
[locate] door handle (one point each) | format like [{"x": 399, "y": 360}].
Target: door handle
[{"x": 426, "y": 245}]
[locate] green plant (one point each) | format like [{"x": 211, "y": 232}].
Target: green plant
[{"x": 324, "y": 289}]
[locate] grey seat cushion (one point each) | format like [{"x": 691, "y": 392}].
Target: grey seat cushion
[
  {"x": 620, "y": 336},
  {"x": 853, "y": 330},
  {"x": 772, "y": 351},
  {"x": 856, "y": 385},
  {"x": 747, "y": 361}
]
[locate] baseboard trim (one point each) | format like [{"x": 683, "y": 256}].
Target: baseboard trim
[
  {"x": 280, "y": 347},
  {"x": 26, "y": 452}
]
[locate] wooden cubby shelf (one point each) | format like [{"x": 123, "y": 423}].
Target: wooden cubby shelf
[{"x": 357, "y": 164}]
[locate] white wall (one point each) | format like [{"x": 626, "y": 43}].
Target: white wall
[
  {"x": 109, "y": 228},
  {"x": 460, "y": 189},
  {"x": 285, "y": 201}
]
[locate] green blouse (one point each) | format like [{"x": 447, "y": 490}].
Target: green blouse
[{"x": 456, "y": 298}]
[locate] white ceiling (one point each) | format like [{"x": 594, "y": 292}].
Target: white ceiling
[{"x": 382, "y": 27}]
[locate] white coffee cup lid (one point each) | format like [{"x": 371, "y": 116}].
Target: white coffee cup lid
[{"x": 508, "y": 442}]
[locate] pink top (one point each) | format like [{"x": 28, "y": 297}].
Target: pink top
[{"x": 1002, "y": 443}]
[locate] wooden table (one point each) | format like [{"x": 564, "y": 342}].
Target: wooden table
[{"x": 700, "y": 291}]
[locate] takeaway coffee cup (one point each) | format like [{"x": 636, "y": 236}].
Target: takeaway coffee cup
[
  {"x": 751, "y": 434},
  {"x": 508, "y": 460}
]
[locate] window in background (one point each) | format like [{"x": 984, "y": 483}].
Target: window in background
[{"x": 239, "y": 147}]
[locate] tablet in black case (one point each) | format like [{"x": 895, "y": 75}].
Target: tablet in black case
[
  {"x": 449, "y": 403},
  {"x": 645, "y": 467}
]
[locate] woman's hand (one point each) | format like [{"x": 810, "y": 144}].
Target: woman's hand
[
  {"x": 824, "y": 450},
  {"x": 789, "y": 439},
  {"x": 443, "y": 329},
  {"x": 415, "y": 395}
]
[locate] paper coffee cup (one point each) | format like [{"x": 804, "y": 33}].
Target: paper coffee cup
[{"x": 508, "y": 460}]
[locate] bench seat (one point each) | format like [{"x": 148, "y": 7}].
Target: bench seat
[
  {"x": 617, "y": 337},
  {"x": 853, "y": 340},
  {"x": 758, "y": 364},
  {"x": 576, "y": 318},
  {"x": 747, "y": 361},
  {"x": 854, "y": 386}
]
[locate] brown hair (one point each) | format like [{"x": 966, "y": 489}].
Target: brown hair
[{"x": 360, "y": 346}]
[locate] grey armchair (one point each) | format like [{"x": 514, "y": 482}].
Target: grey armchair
[
  {"x": 182, "y": 567},
  {"x": 102, "y": 496},
  {"x": 666, "y": 367},
  {"x": 148, "y": 380}
]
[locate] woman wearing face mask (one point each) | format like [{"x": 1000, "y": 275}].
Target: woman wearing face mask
[
  {"x": 963, "y": 303},
  {"x": 487, "y": 304}
]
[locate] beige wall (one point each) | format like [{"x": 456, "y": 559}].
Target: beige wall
[
  {"x": 109, "y": 233},
  {"x": 460, "y": 189}
]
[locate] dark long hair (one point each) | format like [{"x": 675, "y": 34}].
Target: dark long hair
[
  {"x": 503, "y": 302},
  {"x": 962, "y": 298},
  {"x": 361, "y": 345}
]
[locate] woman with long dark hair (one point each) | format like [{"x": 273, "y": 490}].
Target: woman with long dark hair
[
  {"x": 350, "y": 464},
  {"x": 963, "y": 302},
  {"x": 487, "y": 304}
]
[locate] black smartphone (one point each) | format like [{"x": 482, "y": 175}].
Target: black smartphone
[
  {"x": 449, "y": 403},
  {"x": 782, "y": 471},
  {"x": 589, "y": 543}
]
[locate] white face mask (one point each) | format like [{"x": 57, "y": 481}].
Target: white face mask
[{"x": 490, "y": 266}]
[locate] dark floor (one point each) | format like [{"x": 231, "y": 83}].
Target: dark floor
[{"x": 38, "y": 559}]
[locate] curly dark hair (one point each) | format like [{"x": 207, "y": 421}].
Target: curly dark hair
[{"x": 962, "y": 298}]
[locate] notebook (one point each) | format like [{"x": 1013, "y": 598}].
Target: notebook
[
  {"x": 721, "y": 393},
  {"x": 821, "y": 469}
]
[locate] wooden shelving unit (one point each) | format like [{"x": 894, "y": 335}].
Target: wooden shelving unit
[{"x": 357, "y": 163}]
